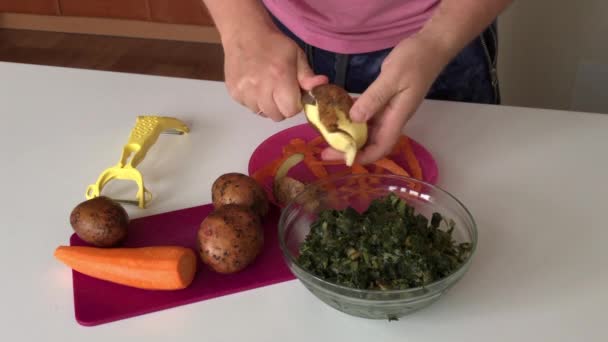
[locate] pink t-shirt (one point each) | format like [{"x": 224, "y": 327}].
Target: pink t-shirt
[{"x": 352, "y": 26}]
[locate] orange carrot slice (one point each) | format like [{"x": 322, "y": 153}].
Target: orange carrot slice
[
  {"x": 269, "y": 170},
  {"x": 330, "y": 162},
  {"x": 358, "y": 169},
  {"x": 316, "y": 141},
  {"x": 316, "y": 168},
  {"x": 410, "y": 157},
  {"x": 392, "y": 167}
]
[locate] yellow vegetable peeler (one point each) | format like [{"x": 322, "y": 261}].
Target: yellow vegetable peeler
[{"x": 143, "y": 136}]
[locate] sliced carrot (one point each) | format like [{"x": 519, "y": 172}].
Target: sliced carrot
[
  {"x": 296, "y": 143},
  {"x": 342, "y": 173},
  {"x": 329, "y": 162},
  {"x": 296, "y": 146},
  {"x": 377, "y": 169},
  {"x": 151, "y": 268},
  {"x": 316, "y": 140},
  {"x": 269, "y": 170},
  {"x": 316, "y": 168},
  {"x": 392, "y": 167},
  {"x": 397, "y": 147},
  {"x": 358, "y": 169},
  {"x": 310, "y": 150},
  {"x": 411, "y": 159}
]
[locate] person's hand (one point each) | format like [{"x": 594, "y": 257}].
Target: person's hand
[
  {"x": 265, "y": 72},
  {"x": 406, "y": 76}
]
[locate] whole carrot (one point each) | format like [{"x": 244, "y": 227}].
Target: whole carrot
[{"x": 151, "y": 268}]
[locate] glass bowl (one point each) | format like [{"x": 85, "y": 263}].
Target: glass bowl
[{"x": 357, "y": 191}]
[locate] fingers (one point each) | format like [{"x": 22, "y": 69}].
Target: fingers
[
  {"x": 277, "y": 91},
  {"x": 331, "y": 154},
  {"x": 276, "y": 99},
  {"x": 369, "y": 154},
  {"x": 305, "y": 75},
  {"x": 287, "y": 92},
  {"x": 258, "y": 103},
  {"x": 378, "y": 149},
  {"x": 287, "y": 97},
  {"x": 266, "y": 104},
  {"x": 387, "y": 127},
  {"x": 251, "y": 103},
  {"x": 314, "y": 81},
  {"x": 373, "y": 99}
]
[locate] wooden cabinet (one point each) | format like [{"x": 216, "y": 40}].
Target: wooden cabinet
[
  {"x": 185, "y": 12},
  {"x": 120, "y": 9},
  {"x": 180, "y": 12},
  {"x": 48, "y": 7}
]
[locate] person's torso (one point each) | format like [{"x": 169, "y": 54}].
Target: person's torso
[{"x": 352, "y": 26}]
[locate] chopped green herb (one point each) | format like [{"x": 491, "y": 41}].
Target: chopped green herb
[{"x": 388, "y": 246}]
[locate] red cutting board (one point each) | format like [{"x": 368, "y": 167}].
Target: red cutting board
[{"x": 97, "y": 301}]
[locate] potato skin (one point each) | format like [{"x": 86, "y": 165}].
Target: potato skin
[
  {"x": 330, "y": 97},
  {"x": 100, "y": 221},
  {"x": 237, "y": 188},
  {"x": 230, "y": 238},
  {"x": 286, "y": 189}
]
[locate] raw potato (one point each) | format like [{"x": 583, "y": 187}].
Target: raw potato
[
  {"x": 237, "y": 188},
  {"x": 230, "y": 238},
  {"x": 327, "y": 109},
  {"x": 100, "y": 221}
]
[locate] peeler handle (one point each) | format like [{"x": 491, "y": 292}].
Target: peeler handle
[{"x": 142, "y": 138}]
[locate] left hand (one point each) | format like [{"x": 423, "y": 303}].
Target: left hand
[{"x": 387, "y": 104}]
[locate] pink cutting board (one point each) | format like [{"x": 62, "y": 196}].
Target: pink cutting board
[{"x": 97, "y": 301}]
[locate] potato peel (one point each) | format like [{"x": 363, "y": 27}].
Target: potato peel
[
  {"x": 286, "y": 188},
  {"x": 290, "y": 162}
]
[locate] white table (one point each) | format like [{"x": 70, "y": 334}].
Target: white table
[{"x": 535, "y": 180}]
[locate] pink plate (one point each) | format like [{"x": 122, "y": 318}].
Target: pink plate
[
  {"x": 272, "y": 148},
  {"x": 97, "y": 301}
]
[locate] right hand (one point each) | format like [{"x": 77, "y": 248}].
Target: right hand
[{"x": 265, "y": 72}]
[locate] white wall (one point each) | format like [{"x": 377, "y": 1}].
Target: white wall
[{"x": 554, "y": 54}]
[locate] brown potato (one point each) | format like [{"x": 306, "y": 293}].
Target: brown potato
[
  {"x": 100, "y": 221},
  {"x": 230, "y": 238},
  {"x": 237, "y": 188}
]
